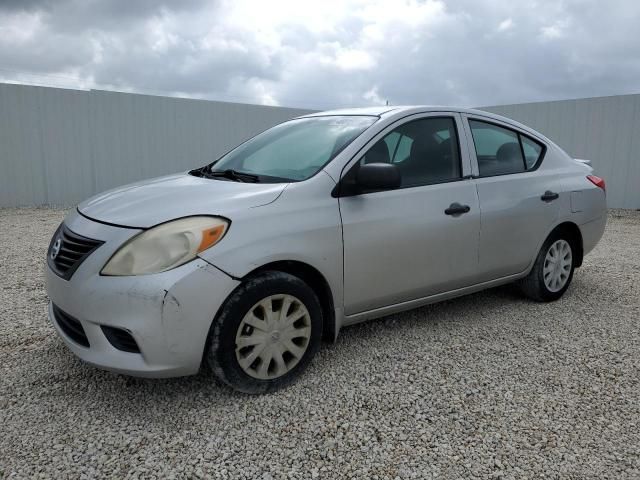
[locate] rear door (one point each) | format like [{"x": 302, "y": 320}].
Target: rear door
[
  {"x": 400, "y": 244},
  {"x": 518, "y": 199}
]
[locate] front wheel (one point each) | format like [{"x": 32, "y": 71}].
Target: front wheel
[
  {"x": 552, "y": 272},
  {"x": 266, "y": 333}
]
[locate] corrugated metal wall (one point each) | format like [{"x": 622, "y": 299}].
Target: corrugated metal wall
[
  {"x": 605, "y": 130},
  {"x": 58, "y": 147}
]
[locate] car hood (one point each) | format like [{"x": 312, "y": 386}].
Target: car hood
[{"x": 150, "y": 202}]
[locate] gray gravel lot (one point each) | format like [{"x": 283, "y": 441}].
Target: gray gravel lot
[{"x": 490, "y": 385}]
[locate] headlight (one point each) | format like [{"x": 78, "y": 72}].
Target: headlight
[{"x": 166, "y": 246}]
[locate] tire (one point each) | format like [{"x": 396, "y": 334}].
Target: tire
[
  {"x": 534, "y": 285},
  {"x": 255, "y": 351}
]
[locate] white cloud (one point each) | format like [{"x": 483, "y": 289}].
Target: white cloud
[
  {"x": 352, "y": 59},
  {"x": 554, "y": 31},
  {"x": 373, "y": 96},
  {"x": 505, "y": 25},
  {"x": 19, "y": 28},
  {"x": 326, "y": 54}
]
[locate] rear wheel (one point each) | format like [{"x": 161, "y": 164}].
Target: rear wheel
[
  {"x": 266, "y": 333},
  {"x": 552, "y": 272}
]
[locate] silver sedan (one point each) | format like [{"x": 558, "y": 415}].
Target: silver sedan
[{"x": 243, "y": 266}]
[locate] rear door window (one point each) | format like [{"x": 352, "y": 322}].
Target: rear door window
[
  {"x": 497, "y": 149},
  {"x": 501, "y": 151}
]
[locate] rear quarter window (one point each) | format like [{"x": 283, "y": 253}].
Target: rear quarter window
[{"x": 532, "y": 151}]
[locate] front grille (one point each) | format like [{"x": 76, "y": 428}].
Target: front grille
[
  {"x": 71, "y": 327},
  {"x": 120, "y": 339},
  {"x": 68, "y": 250}
]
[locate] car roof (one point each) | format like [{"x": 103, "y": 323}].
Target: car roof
[
  {"x": 375, "y": 111},
  {"x": 400, "y": 111}
]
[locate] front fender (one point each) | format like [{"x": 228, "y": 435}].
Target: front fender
[{"x": 302, "y": 225}]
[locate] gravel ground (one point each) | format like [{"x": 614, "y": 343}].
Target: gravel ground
[{"x": 490, "y": 385}]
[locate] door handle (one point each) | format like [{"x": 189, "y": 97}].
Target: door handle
[
  {"x": 549, "y": 196},
  {"x": 457, "y": 209}
]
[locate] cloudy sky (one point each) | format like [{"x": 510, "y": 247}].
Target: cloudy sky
[{"x": 323, "y": 54}]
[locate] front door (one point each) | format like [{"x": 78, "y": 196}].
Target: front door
[{"x": 421, "y": 238}]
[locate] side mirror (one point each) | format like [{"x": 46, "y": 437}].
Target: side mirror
[{"x": 378, "y": 176}]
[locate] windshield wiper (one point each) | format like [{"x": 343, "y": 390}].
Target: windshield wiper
[
  {"x": 199, "y": 172},
  {"x": 232, "y": 175}
]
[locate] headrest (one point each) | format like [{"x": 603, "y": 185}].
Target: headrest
[
  {"x": 421, "y": 146},
  {"x": 379, "y": 153},
  {"x": 509, "y": 153}
]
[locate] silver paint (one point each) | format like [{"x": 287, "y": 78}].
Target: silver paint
[{"x": 379, "y": 253}]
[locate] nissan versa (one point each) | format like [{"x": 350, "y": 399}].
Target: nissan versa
[{"x": 244, "y": 265}]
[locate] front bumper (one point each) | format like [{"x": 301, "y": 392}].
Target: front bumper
[{"x": 167, "y": 314}]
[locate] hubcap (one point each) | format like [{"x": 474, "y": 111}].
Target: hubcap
[
  {"x": 273, "y": 336},
  {"x": 557, "y": 265}
]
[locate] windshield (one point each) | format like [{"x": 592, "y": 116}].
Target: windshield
[{"x": 294, "y": 150}]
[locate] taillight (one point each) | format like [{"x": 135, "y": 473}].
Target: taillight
[{"x": 597, "y": 181}]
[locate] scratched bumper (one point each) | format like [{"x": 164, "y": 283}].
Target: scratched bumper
[{"x": 168, "y": 314}]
